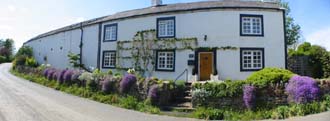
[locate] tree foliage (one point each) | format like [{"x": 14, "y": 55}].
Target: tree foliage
[
  {"x": 7, "y": 49},
  {"x": 26, "y": 51},
  {"x": 319, "y": 58},
  {"x": 74, "y": 60}
]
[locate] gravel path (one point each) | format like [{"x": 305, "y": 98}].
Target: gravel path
[{"x": 21, "y": 100}]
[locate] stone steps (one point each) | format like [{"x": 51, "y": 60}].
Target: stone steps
[{"x": 184, "y": 103}]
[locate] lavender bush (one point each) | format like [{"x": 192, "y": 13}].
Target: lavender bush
[
  {"x": 108, "y": 84},
  {"x": 153, "y": 93},
  {"x": 46, "y": 71},
  {"x": 127, "y": 82},
  {"x": 302, "y": 89},
  {"x": 60, "y": 76},
  {"x": 68, "y": 76},
  {"x": 50, "y": 74},
  {"x": 249, "y": 96},
  {"x": 55, "y": 75}
]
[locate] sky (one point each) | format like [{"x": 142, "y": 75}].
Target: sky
[{"x": 24, "y": 19}]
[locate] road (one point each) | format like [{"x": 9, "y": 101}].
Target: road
[{"x": 21, "y": 100}]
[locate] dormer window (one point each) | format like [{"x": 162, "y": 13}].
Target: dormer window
[
  {"x": 166, "y": 27},
  {"x": 251, "y": 25}
]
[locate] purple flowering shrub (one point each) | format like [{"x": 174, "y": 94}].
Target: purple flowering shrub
[
  {"x": 108, "y": 84},
  {"x": 50, "y": 74},
  {"x": 46, "y": 71},
  {"x": 153, "y": 93},
  {"x": 302, "y": 89},
  {"x": 68, "y": 76},
  {"x": 249, "y": 96},
  {"x": 60, "y": 76},
  {"x": 55, "y": 75},
  {"x": 127, "y": 82}
]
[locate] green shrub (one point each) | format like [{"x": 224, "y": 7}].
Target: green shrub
[
  {"x": 222, "y": 89},
  {"x": 98, "y": 75},
  {"x": 199, "y": 97},
  {"x": 19, "y": 60},
  {"x": 31, "y": 62},
  {"x": 208, "y": 113},
  {"x": 281, "y": 112},
  {"x": 268, "y": 76},
  {"x": 25, "y": 51},
  {"x": 3, "y": 59},
  {"x": 180, "y": 85},
  {"x": 129, "y": 102},
  {"x": 85, "y": 77},
  {"x": 296, "y": 110}
]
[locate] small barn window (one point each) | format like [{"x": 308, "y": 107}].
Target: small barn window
[
  {"x": 166, "y": 27},
  {"x": 110, "y": 32},
  {"x": 109, "y": 59},
  {"x": 251, "y": 25},
  {"x": 252, "y": 59},
  {"x": 165, "y": 60}
]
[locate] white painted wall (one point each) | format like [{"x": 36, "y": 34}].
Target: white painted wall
[{"x": 220, "y": 26}]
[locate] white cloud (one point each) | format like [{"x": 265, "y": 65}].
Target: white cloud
[
  {"x": 11, "y": 8},
  {"x": 321, "y": 37},
  {"x": 80, "y": 19},
  {"x": 6, "y": 27}
]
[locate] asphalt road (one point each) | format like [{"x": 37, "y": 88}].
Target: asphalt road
[{"x": 21, "y": 100}]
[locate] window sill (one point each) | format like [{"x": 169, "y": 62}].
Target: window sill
[
  {"x": 109, "y": 40},
  {"x": 164, "y": 37},
  {"x": 163, "y": 70},
  {"x": 252, "y": 35},
  {"x": 250, "y": 70},
  {"x": 109, "y": 67}
]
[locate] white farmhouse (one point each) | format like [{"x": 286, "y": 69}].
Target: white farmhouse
[{"x": 228, "y": 38}]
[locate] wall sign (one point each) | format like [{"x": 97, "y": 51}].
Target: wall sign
[
  {"x": 192, "y": 56},
  {"x": 191, "y": 62}
]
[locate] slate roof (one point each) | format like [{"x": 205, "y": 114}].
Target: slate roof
[{"x": 166, "y": 8}]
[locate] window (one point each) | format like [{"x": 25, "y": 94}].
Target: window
[
  {"x": 165, "y": 60},
  {"x": 109, "y": 59},
  {"x": 166, "y": 27},
  {"x": 252, "y": 59},
  {"x": 251, "y": 25},
  {"x": 110, "y": 32}
]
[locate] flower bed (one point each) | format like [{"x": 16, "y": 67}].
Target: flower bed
[
  {"x": 266, "y": 98},
  {"x": 269, "y": 93},
  {"x": 128, "y": 91}
]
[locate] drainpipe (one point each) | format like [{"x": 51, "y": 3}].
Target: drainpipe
[
  {"x": 81, "y": 42},
  {"x": 99, "y": 47}
]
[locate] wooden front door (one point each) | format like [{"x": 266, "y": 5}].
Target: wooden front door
[{"x": 205, "y": 65}]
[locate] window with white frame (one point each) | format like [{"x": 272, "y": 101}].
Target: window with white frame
[
  {"x": 252, "y": 25},
  {"x": 110, "y": 32},
  {"x": 109, "y": 59},
  {"x": 166, "y": 27},
  {"x": 252, "y": 59},
  {"x": 165, "y": 60}
]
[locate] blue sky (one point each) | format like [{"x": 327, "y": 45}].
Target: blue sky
[{"x": 24, "y": 19}]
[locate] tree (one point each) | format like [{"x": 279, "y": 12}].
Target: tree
[
  {"x": 7, "y": 48},
  {"x": 318, "y": 59},
  {"x": 292, "y": 29},
  {"x": 25, "y": 50}
]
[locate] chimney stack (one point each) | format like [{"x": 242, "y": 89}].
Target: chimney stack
[{"x": 156, "y": 2}]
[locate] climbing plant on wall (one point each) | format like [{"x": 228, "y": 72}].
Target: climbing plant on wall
[{"x": 140, "y": 50}]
